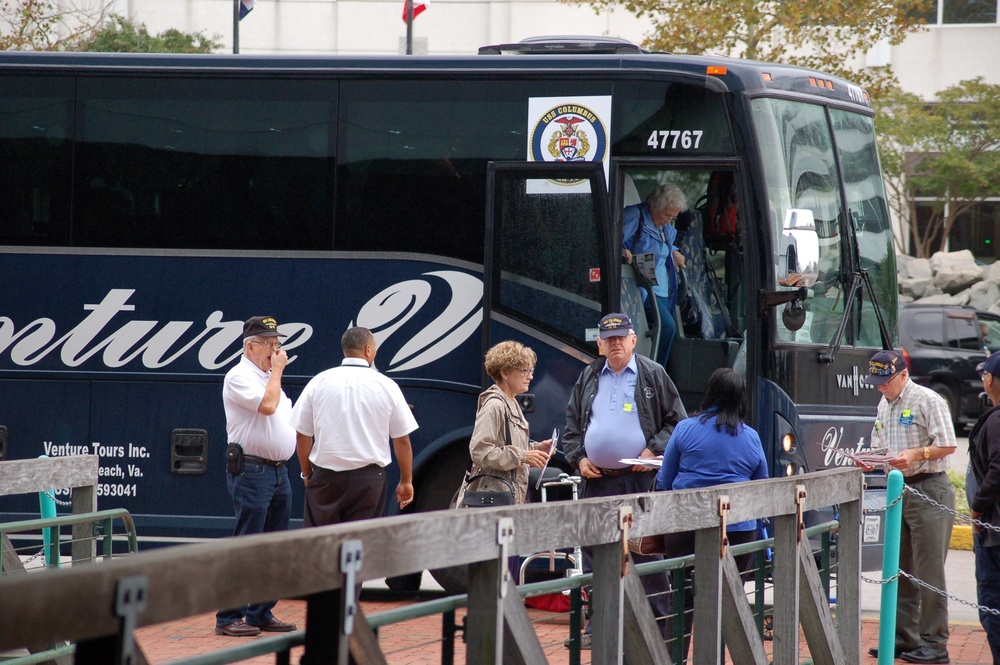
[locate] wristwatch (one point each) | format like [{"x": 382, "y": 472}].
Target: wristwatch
[
  {"x": 927, "y": 452},
  {"x": 304, "y": 476}
]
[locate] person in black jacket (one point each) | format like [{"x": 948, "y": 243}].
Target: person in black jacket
[
  {"x": 983, "y": 489},
  {"x": 623, "y": 406}
]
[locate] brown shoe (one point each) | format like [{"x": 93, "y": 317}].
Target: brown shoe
[
  {"x": 237, "y": 629},
  {"x": 273, "y": 625}
]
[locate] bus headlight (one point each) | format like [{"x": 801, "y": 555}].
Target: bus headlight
[
  {"x": 788, "y": 442},
  {"x": 790, "y": 469}
]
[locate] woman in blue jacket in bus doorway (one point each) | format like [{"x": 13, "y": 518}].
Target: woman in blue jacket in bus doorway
[{"x": 648, "y": 227}]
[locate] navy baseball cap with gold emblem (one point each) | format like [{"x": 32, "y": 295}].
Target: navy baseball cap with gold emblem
[
  {"x": 261, "y": 326},
  {"x": 991, "y": 365},
  {"x": 615, "y": 324},
  {"x": 884, "y": 366}
]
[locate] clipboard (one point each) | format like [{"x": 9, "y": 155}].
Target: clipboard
[{"x": 552, "y": 450}]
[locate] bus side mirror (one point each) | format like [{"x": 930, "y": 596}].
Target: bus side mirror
[{"x": 794, "y": 314}]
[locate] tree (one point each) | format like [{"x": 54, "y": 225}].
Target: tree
[
  {"x": 46, "y": 25},
  {"x": 82, "y": 25},
  {"x": 117, "y": 35},
  {"x": 823, "y": 34},
  {"x": 947, "y": 153}
]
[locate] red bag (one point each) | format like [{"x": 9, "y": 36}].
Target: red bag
[
  {"x": 721, "y": 209},
  {"x": 549, "y": 602}
]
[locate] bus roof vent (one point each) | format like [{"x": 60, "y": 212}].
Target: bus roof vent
[{"x": 570, "y": 45}]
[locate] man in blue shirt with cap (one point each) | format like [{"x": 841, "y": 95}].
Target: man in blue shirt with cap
[{"x": 623, "y": 406}]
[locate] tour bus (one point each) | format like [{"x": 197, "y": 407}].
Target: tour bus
[{"x": 152, "y": 203}]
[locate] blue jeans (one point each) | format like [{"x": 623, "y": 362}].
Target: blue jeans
[
  {"x": 668, "y": 328},
  {"x": 262, "y": 499},
  {"x": 988, "y": 591}
]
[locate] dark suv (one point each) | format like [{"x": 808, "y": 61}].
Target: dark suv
[{"x": 942, "y": 345}]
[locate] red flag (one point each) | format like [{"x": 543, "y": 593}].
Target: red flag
[{"x": 418, "y": 7}]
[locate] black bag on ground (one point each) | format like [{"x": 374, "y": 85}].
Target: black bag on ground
[{"x": 486, "y": 498}]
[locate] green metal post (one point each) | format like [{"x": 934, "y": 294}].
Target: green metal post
[
  {"x": 890, "y": 568},
  {"x": 50, "y": 535}
]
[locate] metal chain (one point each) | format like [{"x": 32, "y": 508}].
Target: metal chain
[
  {"x": 964, "y": 518},
  {"x": 947, "y": 595},
  {"x": 870, "y": 511},
  {"x": 871, "y": 581},
  {"x": 58, "y": 502},
  {"x": 920, "y": 582}
]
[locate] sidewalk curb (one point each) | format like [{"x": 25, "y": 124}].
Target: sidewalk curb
[{"x": 961, "y": 537}]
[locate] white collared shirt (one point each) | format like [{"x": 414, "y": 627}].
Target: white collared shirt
[
  {"x": 271, "y": 437},
  {"x": 352, "y": 411}
]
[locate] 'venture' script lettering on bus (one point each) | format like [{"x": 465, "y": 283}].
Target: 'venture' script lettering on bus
[{"x": 151, "y": 341}]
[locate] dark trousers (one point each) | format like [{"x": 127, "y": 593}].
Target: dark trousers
[
  {"x": 262, "y": 499},
  {"x": 988, "y": 591},
  {"x": 334, "y": 497},
  {"x": 682, "y": 544},
  {"x": 656, "y": 586},
  {"x": 922, "y": 614}
]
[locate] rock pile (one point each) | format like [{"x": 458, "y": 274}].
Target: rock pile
[{"x": 949, "y": 278}]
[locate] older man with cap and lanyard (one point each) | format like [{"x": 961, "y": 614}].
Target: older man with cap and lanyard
[
  {"x": 258, "y": 418},
  {"x": 623, "y": 406},
  {"x": 915, "y": 423}
]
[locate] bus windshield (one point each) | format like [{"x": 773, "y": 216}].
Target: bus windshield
[{"x": 827, "y": 215}]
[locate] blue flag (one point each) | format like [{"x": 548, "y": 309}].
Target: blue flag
[{"x": 245, "y": 7}]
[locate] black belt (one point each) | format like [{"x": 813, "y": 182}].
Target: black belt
[
  {"x": 277, "y": 464},
  {"x": 612, "y": 473},
  {"x": 917, "y": 477}
]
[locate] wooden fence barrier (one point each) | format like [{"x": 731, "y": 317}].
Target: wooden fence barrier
[{"x": 99, "y": 606}]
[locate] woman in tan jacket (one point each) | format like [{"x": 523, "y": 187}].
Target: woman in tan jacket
[{"x": 499, "y": 447}]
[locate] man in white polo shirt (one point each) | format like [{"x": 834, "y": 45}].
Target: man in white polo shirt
[
  {"x": 258, "y": 419},
  {"x": 345, "y": 419}
]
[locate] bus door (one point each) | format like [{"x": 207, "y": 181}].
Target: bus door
[{"x": 548, "y": 268}]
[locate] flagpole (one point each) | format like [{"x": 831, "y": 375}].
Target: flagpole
[
  {"x": 409, "y": 27},
  {"x": 236, "y": 26}
]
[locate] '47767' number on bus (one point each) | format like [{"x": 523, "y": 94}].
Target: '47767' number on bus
[{"x": 687, "y": 139}]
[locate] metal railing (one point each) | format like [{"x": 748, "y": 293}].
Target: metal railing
[
  {"x": 101, "y": 606},
  {"x": 102, "y": 533}
]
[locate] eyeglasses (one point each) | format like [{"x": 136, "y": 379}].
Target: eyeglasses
[
  {"x": 527, "y": 371},
  {"x": 274, "y": 345}
]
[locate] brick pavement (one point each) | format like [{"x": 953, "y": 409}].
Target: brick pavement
[{"x": 417, "y": 642}]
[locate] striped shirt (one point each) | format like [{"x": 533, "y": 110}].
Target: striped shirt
[{"x": 918, "y": 417}]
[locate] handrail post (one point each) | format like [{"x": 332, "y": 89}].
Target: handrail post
[{"x": 890, "y": 568}]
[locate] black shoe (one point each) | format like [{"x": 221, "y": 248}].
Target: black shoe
[
  {"x": 926, "y": 655},
  {"x": 896, "y": 653}
]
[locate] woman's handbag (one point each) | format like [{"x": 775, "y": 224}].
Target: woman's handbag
[
  {"x": 646, "y": 545},
  {"x": 496, "y": 495},
  {"x": 487, "y": 498},
  {"x": 669, "y": 544}
]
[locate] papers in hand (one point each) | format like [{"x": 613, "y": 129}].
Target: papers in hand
[
  {"x": 871, "y": 458},
  {"x": 552, "y": 451},
  {"x": 650, "y": 462},
  {"x": 645, "y": 263}
]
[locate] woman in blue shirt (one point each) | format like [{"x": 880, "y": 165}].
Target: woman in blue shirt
[{"x": 714, "y": 447}]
